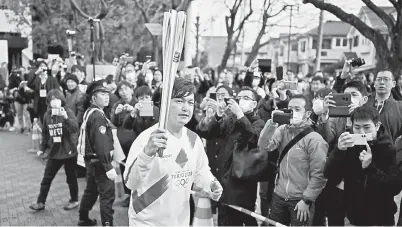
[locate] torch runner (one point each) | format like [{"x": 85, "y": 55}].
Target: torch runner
[{"x": 174, "y": 24}]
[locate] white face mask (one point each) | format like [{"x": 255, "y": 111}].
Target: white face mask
[
  {"x": 297, "y": 118},
  {"x": 318, "y": 106},
  {"x": 245, "y": 106},
  {"x": 256, "y": 82},
  {"x": 55, "y": 103}
]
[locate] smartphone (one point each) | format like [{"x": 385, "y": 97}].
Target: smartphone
[
  {"x": 55, "y": 112},
  {"x": 212, "y": 96},
  {"x": 279, "y": 73},
  {"x": 147, "y": 109},
  {"x": 283, "y": 117},
  {"x": 290, "y": 85},
  {"x": 342, "y": 102},
  {"x": 265, "y": 65},
  {"x": 359, "y": 139},
  {"x": 226, "y": 100}
]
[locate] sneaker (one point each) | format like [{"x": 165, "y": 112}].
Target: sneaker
[
  {"x": 126, "y": 202},
  {"x": 22, "y": 130},
  {"x": 71, "y": 205},
  {"x": 89, "y": 222},
  {"x": 11, "y": 129},
  {"x": 37, "y": 206}
]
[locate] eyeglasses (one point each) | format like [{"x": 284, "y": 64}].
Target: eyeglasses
[
  {"x": 245, "y": 98},
  {"x": 385, "y": 79}
]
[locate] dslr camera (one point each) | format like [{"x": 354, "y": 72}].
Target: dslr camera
[{"x": 356, "y": 62}]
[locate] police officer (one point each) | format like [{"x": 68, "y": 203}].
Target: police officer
[{"x": 98, "y": 157}]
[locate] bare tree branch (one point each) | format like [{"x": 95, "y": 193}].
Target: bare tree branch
[
  {"x": 142, "y": 10},
  {"x": 76, "y": 8},
  {"x": 381, "y": 14},
  {"x": 395, "y": 4},
  {"x": 372, "y": 34}
]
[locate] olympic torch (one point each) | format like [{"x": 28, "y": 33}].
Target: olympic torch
[{"x": 174, "y": 30}]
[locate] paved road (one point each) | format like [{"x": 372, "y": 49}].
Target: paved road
[{"x": 20, "y": 176}]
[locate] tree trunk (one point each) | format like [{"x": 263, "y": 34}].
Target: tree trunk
[
  {"x": 101, "y": 42},
  {"x": 226, "y": 55}
]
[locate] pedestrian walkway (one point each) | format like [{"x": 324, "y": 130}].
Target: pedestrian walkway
[{"x": 20, "y": 177}]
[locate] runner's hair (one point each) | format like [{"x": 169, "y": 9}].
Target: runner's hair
[{"x": 182, "y": 88}]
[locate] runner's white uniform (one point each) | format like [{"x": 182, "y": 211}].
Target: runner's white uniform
[{"x": 161, "y": 185}]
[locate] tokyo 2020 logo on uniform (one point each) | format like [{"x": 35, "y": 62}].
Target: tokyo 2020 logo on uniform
[{"x": 182, "y": 179}]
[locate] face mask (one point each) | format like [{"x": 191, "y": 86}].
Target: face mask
[
  {"x": 245, "y": 105},
  {"x": 55, "y": 103},
  {"x": 274, "y": 93},
  {"x": 297, "y": 118},
  {"x": 318, "y": 106},
  {"x": 149, "y": 77}
]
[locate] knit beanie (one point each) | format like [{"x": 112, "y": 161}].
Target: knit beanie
[{"x": 72, "y": 77}]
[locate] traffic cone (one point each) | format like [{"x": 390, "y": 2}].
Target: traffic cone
[
  {"x": 203, "y": 212},
  {"x": 36, "y": 137}
]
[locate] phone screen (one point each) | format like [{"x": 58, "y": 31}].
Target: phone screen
[{"x": 212, "y": 96}]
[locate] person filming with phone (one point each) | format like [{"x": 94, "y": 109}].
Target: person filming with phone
[
  {"x": 302, "y": 155},
  {"x": 365, "y": 159}
]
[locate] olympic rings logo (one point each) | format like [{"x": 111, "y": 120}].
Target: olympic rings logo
[{"x": 182, "y": 182}]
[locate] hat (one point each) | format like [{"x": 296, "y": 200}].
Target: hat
[
  {"x": 77, "y": 67},
  {"x": 72, "y": 77},
  {"x": 96, "y": 86}
]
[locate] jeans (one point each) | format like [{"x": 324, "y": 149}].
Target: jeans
[
  {"x": 266, "y": 191},
  {"x": 282, "y": 211},
  {"x": 52, "y": 167},
  {"x": 23, "y": 115},
  {"x": 230, "y": 217},
  {"x": 98, "y": 184}
]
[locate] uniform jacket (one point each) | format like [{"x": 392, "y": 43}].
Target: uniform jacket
[
  {"x": 99, "y": 139},
  {"x": 370, "y": 192},
  {"x": 158, "y": 181},
  {"x": 60, "y": 135},
  {"x": 301, "y": 172}
]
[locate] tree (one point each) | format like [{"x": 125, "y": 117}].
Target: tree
[
  {"x": 268, "y": 8},
  {"x": 234, "y": 27},
  {"x": 388, "y": 56}
]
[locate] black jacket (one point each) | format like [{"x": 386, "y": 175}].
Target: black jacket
[
  {"x": 241, "y": 136},
  {"x": 99, "y": 139},
  {"x": 369, "y": 192},
  {"x": 66, "y": 130}
]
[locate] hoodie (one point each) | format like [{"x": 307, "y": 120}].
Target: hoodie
[
  {"x": 60, "y": 135},
  {"x": 370, "y": 192}
]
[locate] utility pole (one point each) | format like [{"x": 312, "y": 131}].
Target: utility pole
[
  {"x": 197, "y": 40},
  {"x": 243, "y": 54},
  {"x": 319, "y": 43},
  {"x": 290, "y": 33}
]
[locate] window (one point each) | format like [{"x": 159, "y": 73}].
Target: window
[
  {"x": 281, "y": 51},
  {"x": 314, "y": 44},
  {"x": 356, "y": 41},
  {"x": 326, "y": 43},
  {"x": 294, "y": 47},
  {"x": 303, "y": 46},
  {"x": 338, "y": 42},
  {"x": 345, "y": 42},
  {"x": 324, "y": 53}
]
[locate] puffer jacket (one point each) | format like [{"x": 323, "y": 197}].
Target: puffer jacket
[
  {"x": 301, "y": 172},
  {"x": 370, "y": 192}
]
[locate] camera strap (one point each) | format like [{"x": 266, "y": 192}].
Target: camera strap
[{"x": 296, "y": 139}]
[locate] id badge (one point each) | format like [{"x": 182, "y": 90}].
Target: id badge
[
  {"x": 42, "y": 93},
  {"x": 57, "y": 139}
]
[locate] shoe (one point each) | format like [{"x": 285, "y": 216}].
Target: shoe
[
  {"x": 71, "y": 205},
  {"x": 126, "y": 202},
  {"x": 37, "y": 206},
  {"x": 89, "y": 222},
  {"x": 22, "y": 131},
  {"x": 107, "y": 223},
  {"x": 11, "y": 129}
]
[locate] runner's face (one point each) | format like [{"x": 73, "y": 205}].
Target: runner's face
[{"x": 181, "y": 110}]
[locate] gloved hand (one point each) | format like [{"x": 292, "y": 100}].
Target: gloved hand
[
  {"x": 216, "y": 189},
  {"x": 39, "y": 153},
  {"x": 111, "y": 174}
]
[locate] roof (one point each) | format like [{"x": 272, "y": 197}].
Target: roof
[
  {"x": 350, "y": 55},
  {"x": 332, "y": 28},
  {"x": 375, "y": 21}
]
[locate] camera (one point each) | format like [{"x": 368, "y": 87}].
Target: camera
[
  {"x": 282, "y": 117},
  {"x": 356, "y": 62}
]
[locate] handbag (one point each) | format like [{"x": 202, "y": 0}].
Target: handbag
[{"x": 259, "y": 165}]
